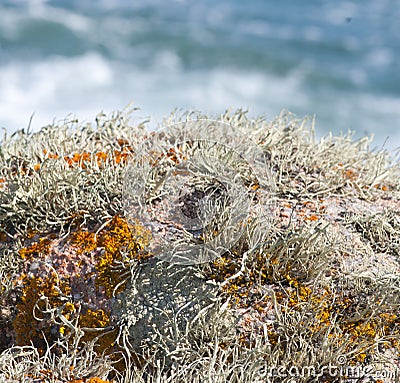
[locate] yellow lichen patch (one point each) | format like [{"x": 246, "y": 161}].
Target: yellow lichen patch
[
  {"x": 33, "y": 322},
  {"x": 117, "y": 238},
  {"x": 94, "y": 319},
  {"x": 46, "y": 302},
  {"x": 97, "y": 380},
  {"x": 84, "y": 241},
  {"x": 98, "y": 320},
  {"x": 265, "y": 270},
  {"x": 327, "y": 311},
  {"x": 328, "y": 308},
  {"x": 36, "y": 249},
  {"x": 68, "y": 311},
  {"x": 38, "y": 295}
]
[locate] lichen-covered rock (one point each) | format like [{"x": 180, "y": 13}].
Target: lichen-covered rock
[
  {"x": 81, "y": 287},
  {"x": 161, "y": 301}
]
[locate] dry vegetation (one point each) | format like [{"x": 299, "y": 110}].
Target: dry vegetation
[{"x": 312, "y": 281}]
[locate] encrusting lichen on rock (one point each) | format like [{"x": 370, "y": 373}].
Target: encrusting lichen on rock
[
  {"x": 120, "y": 243},
  {"x": 316, "y": 279},
  {"x": 96, "y": 260}
]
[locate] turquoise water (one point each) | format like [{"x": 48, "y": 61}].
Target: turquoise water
[{"x": 338, "y": 60}]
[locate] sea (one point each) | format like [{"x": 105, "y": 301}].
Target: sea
[{"x": 338, "y": 61}]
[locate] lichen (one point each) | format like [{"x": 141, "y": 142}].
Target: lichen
[
  {"x": 38, "y": 296},
  {"x": 86, "y": 293},
  {"x": 114, "y": 246},
  {"x": 121, "y": 243}
]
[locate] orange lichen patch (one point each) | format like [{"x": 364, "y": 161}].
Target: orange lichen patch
[
  {"x": 50, "y": 155},
  {"x": 76, "y": 220},
  {"x": 381, "y": 187},
  {"x": 84, "y": 158},
  {"x": 94, "y": 319},
  {"x": 118, "y": 236},
  {"x": 175, "y": 154},
  {"x": 123, "y": 143},
  {"x": 31, "y": 233},
  {"x": 327, "y": 311},
  {"x": 68, "y": 312},
  {"x": 37, "y": 296},
  {"x": 273, "y": 336},
  {"x": 311, "y": 217},
  {"x": 98, "y": 319},
  {"x": 81, "y": 159},
  {"x": 361, "y": 329},
  {"x": 119, "y": 233},
  {"x": 84, "y": 241},
  {"x": 87, "y": 271},
  {"x": 36, "y": 249},
  {"x": 350, "y": 174},
  {"x": 255, "y": 186},
  {"x": 101, "y": 158},
  {"x": 122, "y": 156},
  {"x": 46, "y": 375},
  {"x": 308, "y": 204},
  {"x": 78, "y": 159}
]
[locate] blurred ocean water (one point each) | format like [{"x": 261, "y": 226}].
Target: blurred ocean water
[{"x": 339, "y": 60}]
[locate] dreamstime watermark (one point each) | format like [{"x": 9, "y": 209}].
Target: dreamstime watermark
[
  {"x": 294, "y": 373},
  {"x": 192, "y": 184}
]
